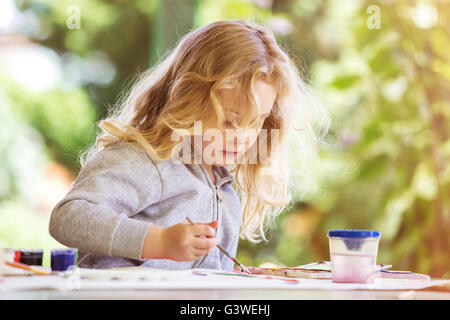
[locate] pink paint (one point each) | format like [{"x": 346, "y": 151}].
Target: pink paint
[{"x": 352, "y": 268}]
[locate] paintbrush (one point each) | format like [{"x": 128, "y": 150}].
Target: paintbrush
[
  {"x": 226, "y": 253},
  {"x": 27, "y": 267}
]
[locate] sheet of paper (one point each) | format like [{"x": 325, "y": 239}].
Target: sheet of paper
[{"x": 194, "y": 279}]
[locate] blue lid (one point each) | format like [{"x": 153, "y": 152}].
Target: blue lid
[
  {"x": 63, "y": 252},
  {"x": 343, "y": 233}
]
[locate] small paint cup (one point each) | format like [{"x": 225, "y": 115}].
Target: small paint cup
[
  {"x": 353, "y": 255},
  {"x": 31, "y": 257},
  {"x": 63, "y": 259}
]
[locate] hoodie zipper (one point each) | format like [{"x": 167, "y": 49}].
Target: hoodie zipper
[{"x": 200, "y": 261}]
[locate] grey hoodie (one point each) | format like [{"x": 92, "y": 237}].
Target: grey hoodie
[{"x": 122, "y": 191}]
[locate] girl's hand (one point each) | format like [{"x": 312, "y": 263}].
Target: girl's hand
[
  {"x": 180, "y": 242},
  {"x": 186, "y": 242}
]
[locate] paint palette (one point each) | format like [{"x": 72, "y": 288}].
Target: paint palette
[{"x": 315, "y": 270}]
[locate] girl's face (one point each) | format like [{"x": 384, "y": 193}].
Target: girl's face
[{"x": 231, "y": 144}]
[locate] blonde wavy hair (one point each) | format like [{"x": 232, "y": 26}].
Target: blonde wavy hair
[{"x": 185, "y": 87}]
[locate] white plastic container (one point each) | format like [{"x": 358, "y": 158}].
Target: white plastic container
[{"x": 353, "y": 255}]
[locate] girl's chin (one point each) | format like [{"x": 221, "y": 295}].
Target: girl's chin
[{"x": 225, "y": 161}]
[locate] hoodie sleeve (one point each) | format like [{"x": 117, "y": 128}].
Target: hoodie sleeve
[{"x": 96, "y": 214}]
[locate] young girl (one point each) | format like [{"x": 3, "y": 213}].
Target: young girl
[{"x": 129, "y": 203}]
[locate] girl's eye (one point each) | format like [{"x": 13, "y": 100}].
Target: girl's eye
[{"x": 231, "y": 124}]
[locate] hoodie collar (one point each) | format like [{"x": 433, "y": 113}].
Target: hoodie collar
[{"x": 221, "y": 173}]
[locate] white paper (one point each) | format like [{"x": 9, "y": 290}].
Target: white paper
[{"x": 150, "y": 279}]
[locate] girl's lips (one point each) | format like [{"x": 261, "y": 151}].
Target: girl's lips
[{"x": 230, "y": 154}]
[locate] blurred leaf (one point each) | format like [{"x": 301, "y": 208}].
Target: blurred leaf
[
  {"x": 394, "y": 210},
  {"x": 383, "y": 63},
  {"x": 440, "y": 43},
  {"x": 345, "y": 81},
  {"x": 424, "y": 182}
]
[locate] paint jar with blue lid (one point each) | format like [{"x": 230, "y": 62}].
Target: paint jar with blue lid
[
  {"x": 62, "y": 259},
  {"x": 31, "y": 257},
  {"x": 353, "y": 255}
]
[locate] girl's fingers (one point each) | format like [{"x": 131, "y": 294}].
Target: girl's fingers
[
  {"x": 203, "y": 230},
  {"x": 204, "y": 243},
  {"x": 200, "y": 253},
  {"x": 214, "y": 224}
]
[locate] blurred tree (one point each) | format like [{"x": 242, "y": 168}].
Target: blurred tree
[
  {"x": 64, "y": 118},
  {"x": 394, "y": 92},
  {"x": 120, "y": 30},
  {"x": 170, "y": 20}
]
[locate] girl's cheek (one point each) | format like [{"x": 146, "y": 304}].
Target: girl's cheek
[{"x": 211, "y": 145}]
